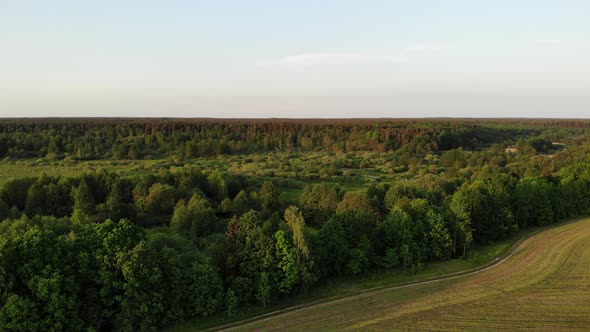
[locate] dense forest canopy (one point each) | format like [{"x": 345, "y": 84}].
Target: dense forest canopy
[
  {"x": 136, "y": 139},
  {"x": 189, "y": 218}
]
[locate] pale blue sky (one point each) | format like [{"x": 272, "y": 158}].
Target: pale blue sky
[{"x": 295, "y": 58}]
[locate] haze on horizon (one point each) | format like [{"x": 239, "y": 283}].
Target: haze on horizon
[{"x": 307, "y": 59}]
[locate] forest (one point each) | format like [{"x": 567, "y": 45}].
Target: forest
[{"x": 138, "y": 224}]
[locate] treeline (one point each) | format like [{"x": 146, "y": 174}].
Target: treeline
[
  {"x": 76, "y": 252},
  {"x": 85, "y": 139},
  {"x": 147, "y": 200}
]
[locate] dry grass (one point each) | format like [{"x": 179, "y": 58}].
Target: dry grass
[{"x": 545, "y": 285}]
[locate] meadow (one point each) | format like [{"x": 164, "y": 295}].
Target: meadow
[{"x": 295, "y": 170}]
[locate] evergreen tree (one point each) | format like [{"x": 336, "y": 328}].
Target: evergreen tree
[
  {"x": 35, "y": 203},
  {"x": 269, "y": 194},
  {"x": 4, "y": 210},
  {"x": 84, "y": 203}
]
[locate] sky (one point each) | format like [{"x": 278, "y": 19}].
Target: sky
[{"x": 295, "y": 59}]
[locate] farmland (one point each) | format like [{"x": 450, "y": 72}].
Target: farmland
[{"x": 545, "y": 285}]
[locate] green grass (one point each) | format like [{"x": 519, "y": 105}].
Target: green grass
[
  {"x": 35, "y": 167},
  {"x": 305, "y": 168},
  {"x": 291, "y": 194}
]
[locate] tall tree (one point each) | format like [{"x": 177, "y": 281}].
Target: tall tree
[
  {"x": 485, "y": 206},
  {"x": 204, "y": 291},
  {"x": 356, "y": 201},
  {"x": 35, "y": 203},
  {"x": 269, "y": 194},
  {"x": 84, "y": 203},
  {"x": 318, "y": 202},
  {"x": 288, "y": 267},
  {"x": 195, "y": 218},
  {"x": 533, "y": 202},
  {"x": 4, "y": 210},
  {"x": 160, "y": 199}
]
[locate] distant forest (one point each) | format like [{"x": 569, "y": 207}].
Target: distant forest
[{"x": 143, "y": 248}]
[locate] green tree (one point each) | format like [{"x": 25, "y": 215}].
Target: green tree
[
  {"x": 84, "y": 203},
  {"x": 249, "y": 251},
  {"x": 119, "y": 201},
  {"x": 392, "y": 258},
  {"x": 204, "y": 291},
  {"x": 133, "y": 152},
  {"x": 345, "y": 243},
  {"x": 399, "y": 234},
  {"x": 356, "y": 201},
  {"x": 485, "y": 206},
  {"x": 160, "y": 199},
  {"x": 533, "y": 198},
  {"x": 358, "y": 260},
  {"x": 226, "y": 205},
  {"x": 296, "y": 223},
  {"x": 19, "y": 313},
  {"x": 264, "y": 289},
  {"x": 439, "y": 240},
  {"x": 231, "y": 301},
  {"x": 119, "y": 151},
  {"x": 41, "y": 282},
  {"x": 14, "y": 191},
  {"x": 305, "y": 263},
  {"x": 195, "y": 218},
  {"x": 241, "y": 203},
  {"x": 52, "y": 149},
  {"x": 401, "y": 194},
  {"x": 218, "y": 186},
  {"x": 101, "y": 251},
  {"x": 269, "y": 195},
  {"x": 148, "y": 285},
  {"x": 4, "y": 210},
  {"x": 35, "y": 203},
  {"x": 319, "y": 202},
  {"x": 286, "y": 256}
]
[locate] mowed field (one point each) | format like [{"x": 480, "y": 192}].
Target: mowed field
[{"x": 544, "y": 285}]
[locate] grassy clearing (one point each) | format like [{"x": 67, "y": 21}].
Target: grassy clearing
[
  {"x": 307, "y": 167},
  {"x": 543, "y": 285},
  {"x": 344, "y": 287},
  {"x": 35, "y": 167}
]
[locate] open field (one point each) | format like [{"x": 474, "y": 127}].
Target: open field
[
  {"x": 545, "y": 284},
  {"x": 36, "y": 167},
  {"x": 275, "y": 166}
]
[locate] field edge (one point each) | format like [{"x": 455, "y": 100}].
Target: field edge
[{"x": 493, "y": 261}]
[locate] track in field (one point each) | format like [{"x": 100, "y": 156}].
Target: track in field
[{"x": 544, "y": 285}]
